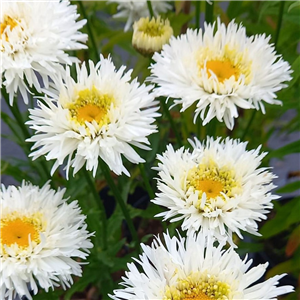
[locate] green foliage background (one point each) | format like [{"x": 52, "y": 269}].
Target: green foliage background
[{"x": 107, "y": 262}]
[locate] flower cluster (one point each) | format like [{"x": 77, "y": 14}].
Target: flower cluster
[{"x": 94, "y": 114}]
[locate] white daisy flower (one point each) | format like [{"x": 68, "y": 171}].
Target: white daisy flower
[
  {"x": 220, "y": 71},
  {"x": 149, "y": 36},
  {"x": 34, "y": 38},
  {"x": 41, "y": 238},
  {"x": 194, "y": 268},
  {"x": 101, "y": 115},
  {"x": 134, "y": 10},
  {"x": 217, "y": 187}
]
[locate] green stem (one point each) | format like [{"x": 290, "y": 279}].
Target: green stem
[
  {"x": 114, "y": 189},
  {"x": 146, "y": 181},
  {"x": 212, "y": 127},
  {"x": 151, "y": 12},
  {"x": 281, "y": 8},
  {"x": 174, "y": 128},
  {"x": 89, "y": 29},
  {"x": 209, "y": 12},
  {"x": 185, "y": 120},
  {"x": 99, "y": 203},
  {"x": 197, "y": 12},
  {"x": 249, "y": 124},
  {"x": 199, "y": 127}
]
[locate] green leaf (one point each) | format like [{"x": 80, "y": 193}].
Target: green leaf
[
  {"x": 296, "y": 74},
  {"x": 15, "y": 171},
  {"x": 293, "y": 5},
  {"x": 293, "y": 242},
  {"x": 51, "y": 295},
  {"x": 293, "y": 147},
  {"x": 288, "y": 266},
  {"x": 286, "y": 215},
  {"x": 235, "y": 8},
  {"x": 290, "y": 187}
]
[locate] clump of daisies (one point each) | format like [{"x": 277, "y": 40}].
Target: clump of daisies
[
  {"x": 195, "y": 268},
  {"x": 216, "y": 188},
  {"x": 220, "y": 69},
  {"x": 149, "y": 36},
  {"x": 134, "y": 10},
  {"x": 34, "y": 39},
  {"x": 42, "y": 236},
  {"x": 101, "y": 115}
]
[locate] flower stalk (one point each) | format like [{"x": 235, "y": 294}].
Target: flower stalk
[
  {"x": 89, "y": 29},
  {"x": 197, "y": 14},
  {"x": 146, "y": 181},
  {"x": 173, "y": 126},
  {"x": 279, "y": 23},
  {"x": 150, "y": 9},
  {"x": 209, "y": 11},
  {"x": 115, "y": 190},
  {"x": 99, "y": 203}
]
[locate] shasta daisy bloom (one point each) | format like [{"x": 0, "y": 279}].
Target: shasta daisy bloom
[
  {"x": 193, "y": 268},
  {"x": 101, "y": 115},
  {"x": 41, "y": 238},
  {"x": 134, "y": 10},
  {"x": 34, "y": 38},
  {"x": 150, "y": 35},
  {"x": 220, "y": 72},
  {"x": 217, "y": 187}
]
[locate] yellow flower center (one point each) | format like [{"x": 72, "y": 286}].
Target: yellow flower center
[
  {"x": 91, "y": 105},
  {"x": 17, "y": 229},
  {"x": 226, "y": 62},
  {"x": 7, "y": 22},
  {"x": 149, "y": 36},
  {"x": 198, "y": 287},
  {"x": 152, "y": 28},
  {"x": 212, "y": 188},
  {"x": 222, "y": 69},
  {"x": 215, "y": 182}
]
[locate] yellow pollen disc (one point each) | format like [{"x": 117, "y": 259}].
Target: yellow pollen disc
[
  {"x": 90, "y": 112},
  {"x": 18, "y": 231},
  {"x": 222, "y": 69},
  {"x": 212, "y": 188},
  {"x": 200, "y": 296},
  {"x": 149, "y": 36},
  {"x": 198, "y": 286},
  {"x": 91, "y": 105},
  {"x": 7, "y": 22},
  {"x": 214, "y": 181},
  {"x": 152, "y": 28}
]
